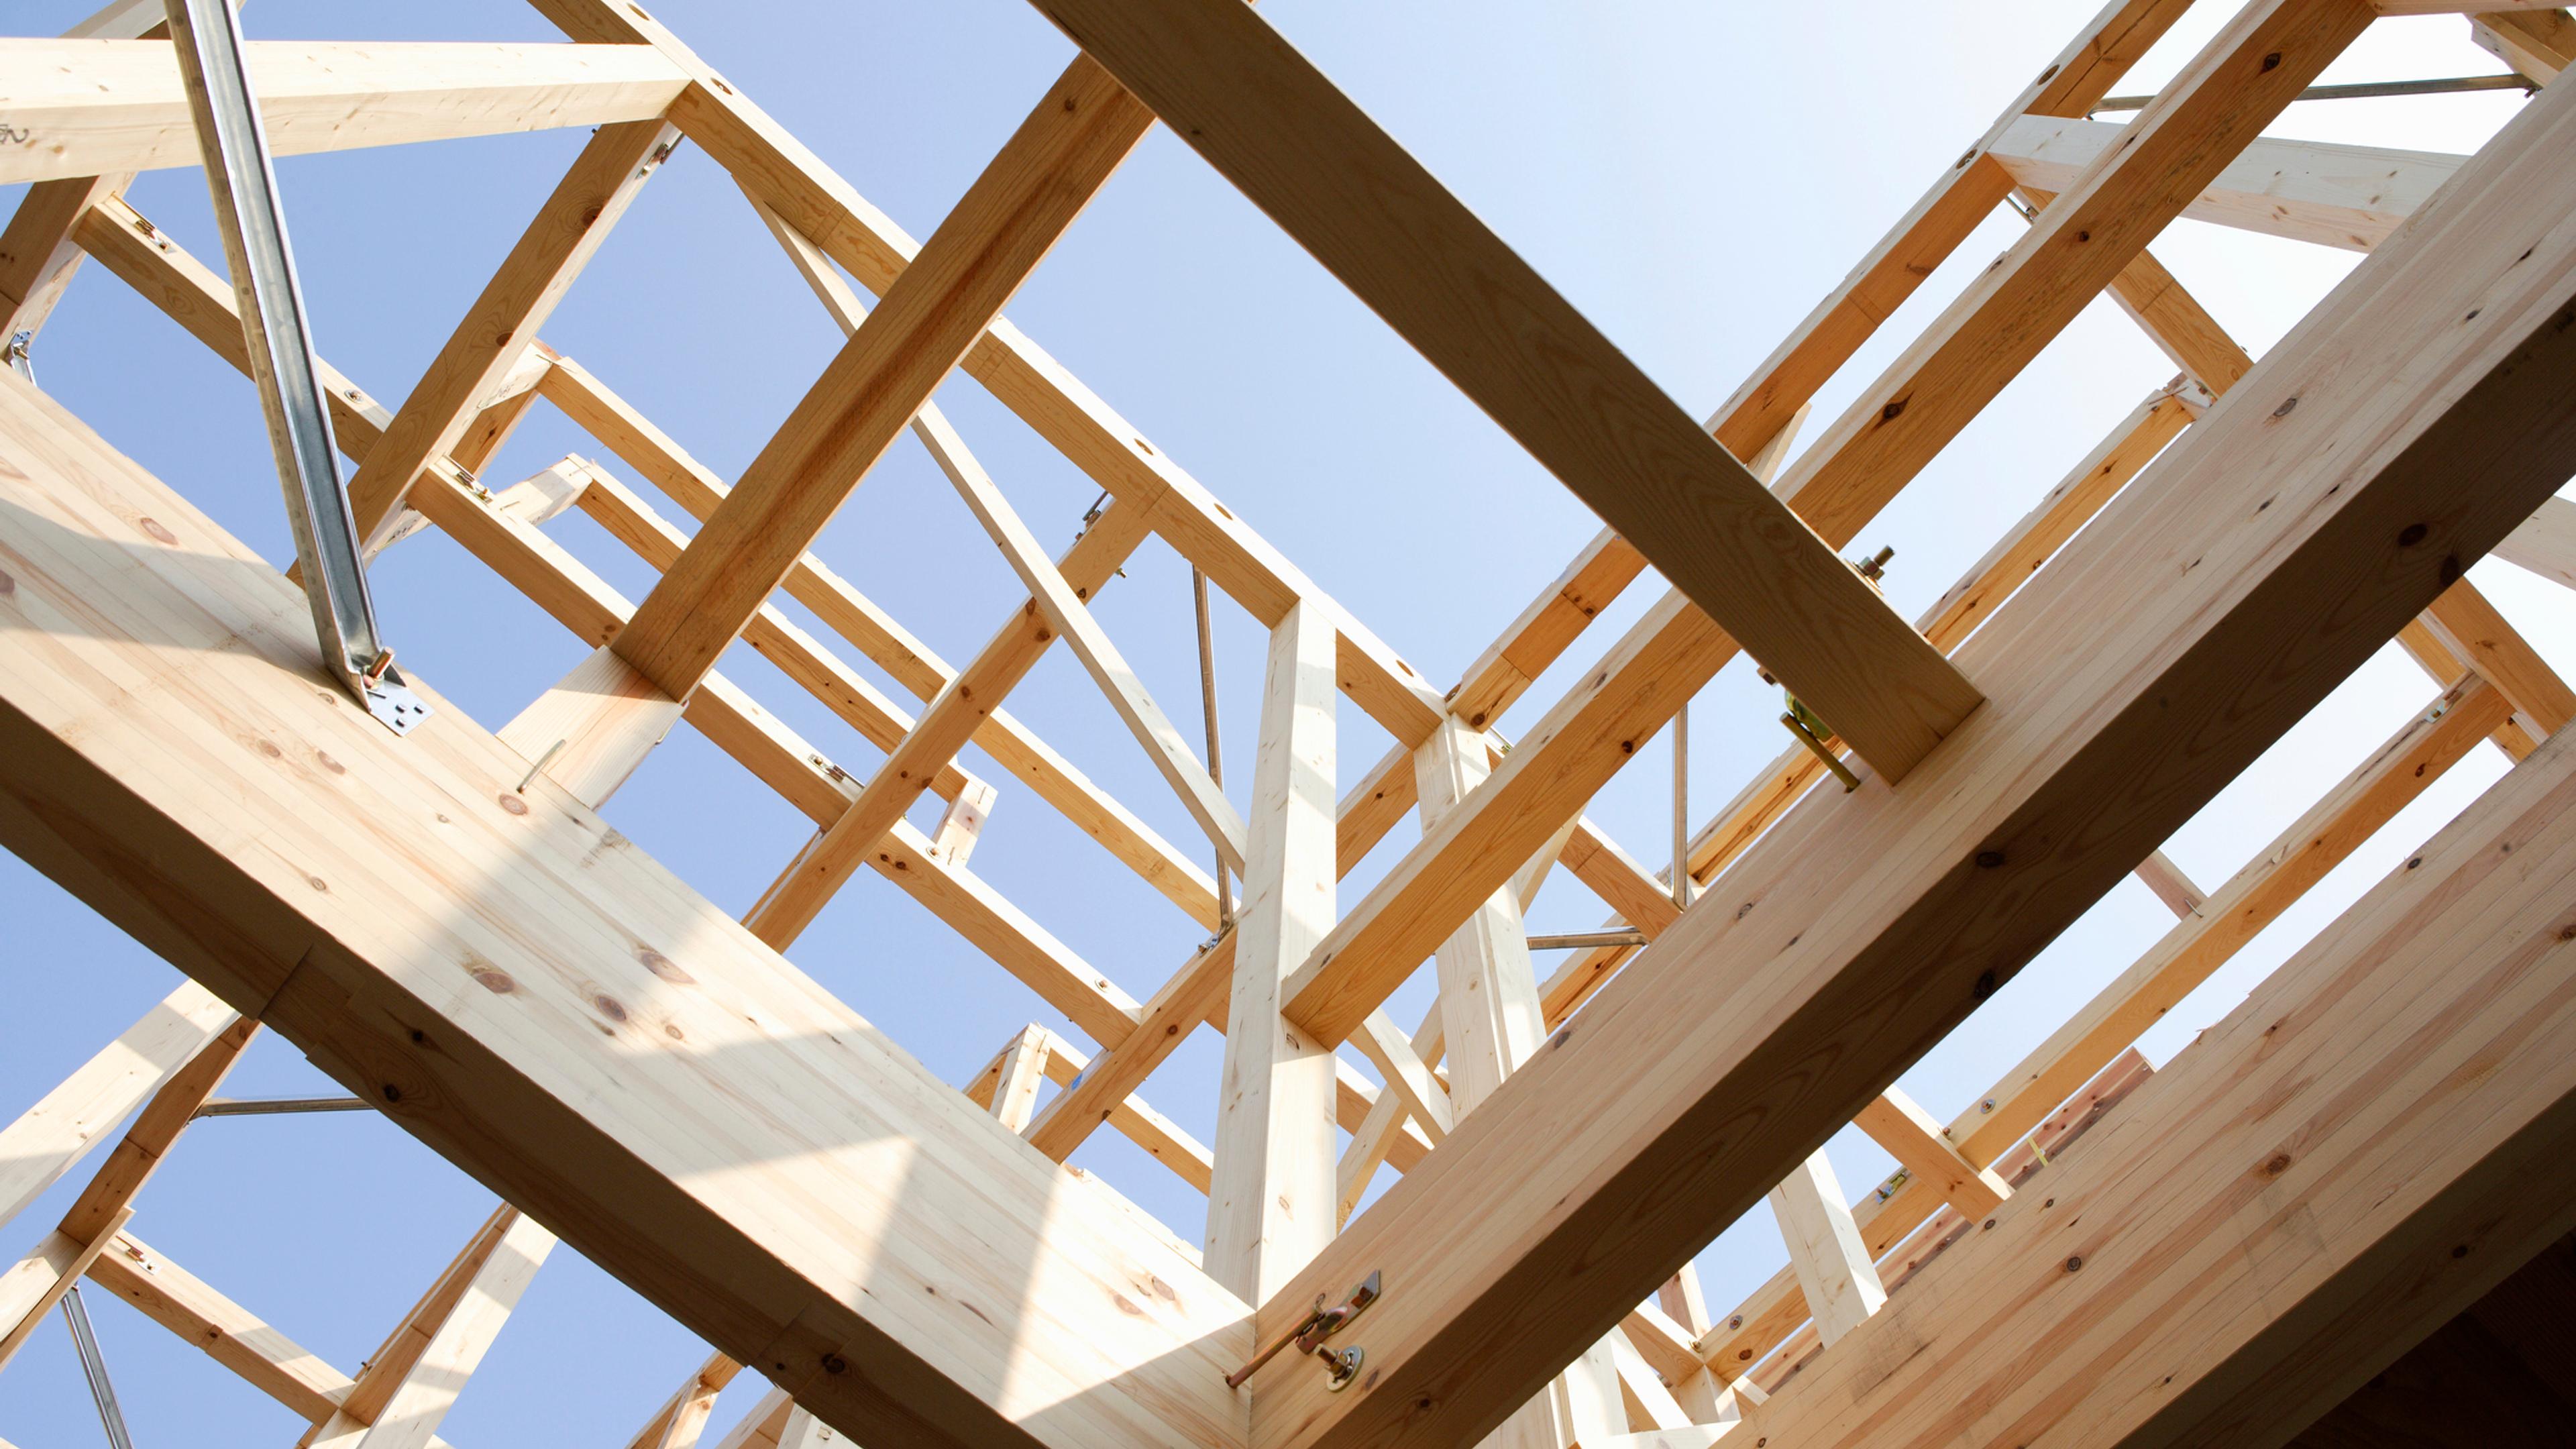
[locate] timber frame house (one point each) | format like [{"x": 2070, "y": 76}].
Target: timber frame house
[{"x": 2380, "y": 1137}]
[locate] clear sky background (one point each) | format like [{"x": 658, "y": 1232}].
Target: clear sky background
[{"x": 1693, "y": 175}]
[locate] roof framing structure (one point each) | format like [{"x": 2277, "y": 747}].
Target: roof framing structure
[{"x": 445, "y": 922}]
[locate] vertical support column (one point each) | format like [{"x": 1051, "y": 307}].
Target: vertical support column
[
  {"x": 1492, "y": 1022},
  {"x": 1271, "y": 1207}
]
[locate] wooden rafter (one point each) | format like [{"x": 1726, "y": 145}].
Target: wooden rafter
[{"x": 2297, "y": 597}]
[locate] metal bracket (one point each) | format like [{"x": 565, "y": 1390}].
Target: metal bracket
[
  {"x": 1307, "y": 1335},
  {"x": 19, "y": 362},
  {"x": 1813, "y": 732}
]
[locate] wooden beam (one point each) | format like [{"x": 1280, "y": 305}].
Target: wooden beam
[
  {"x": 1408, "y": 1079},
  {"x": 798, "y": 655},
  {"x": 682, "y": 1419},
  {"x": 1024, "y": 1066},
  {"x": 1825, "y": 1249},
  {"x": 452, "y": 1331},
  {"x": 50, "y": 1271},
  {"x": 1304, "y": 153},
  {"x": 583, "y": 603},
  {"x": 2473, "y": 629},
  {"x": 1867, "y": 909},
  {"x": 2545, "y": 543},
  {"x": 501, "y": 326},
  {"x": 31, "y": 1287},
  {"x": 558, "y": 583},
  {"x": 1270, "y": 1209},
  {"x": 1065, "y": 608},
  {"x": 1092, "y": 561},
  {"x": 51, "y": 1137},
  {"x": 2323, "y": 837},
  {"x": 2350, "y": 197},
  {"x": 228, "y": 1333},
  {"x": 530, "y": 971},
  {"x": 1922, "y": 1146},
  {"x": 1964, "y": 196},
  {"x": 95, "y": 108},
  {"x": 1159, "y": 1137},
  {"x": 1001, "y": 229},
  {"x": 2539, "y": 42},
  {"x": 814, "y": 201},
  {"x": 1776, "y": 1313},
  {"x": 2078, "y": 247},
  {"x": 2213, "y": 1271}
]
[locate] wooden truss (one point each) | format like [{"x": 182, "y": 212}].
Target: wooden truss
[{"x": 443, "y": 922}]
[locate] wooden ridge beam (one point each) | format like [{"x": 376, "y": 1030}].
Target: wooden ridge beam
[
  {"x": 1303, "y": 152},
  {"x": 96, "y": 108},
  {"x": 581, "y": 973},
  {"x": 2081, "y": 773},
  {"x": 2212, "y": 1270}
]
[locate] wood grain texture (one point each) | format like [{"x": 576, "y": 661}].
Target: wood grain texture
[
  {"x": 1000, "y": 230},
  {"x": 501, "y": 326},
  {"x": 85, "y": 108},
  {"x": 476, "y": 968},
  {"x": 2360, "y": 1150},
  {"x": 1864, "y": 926},
  {"x": 1303, "y": 152}
]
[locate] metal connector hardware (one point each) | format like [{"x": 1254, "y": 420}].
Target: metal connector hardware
[{"x": 1307, "y": 1335}]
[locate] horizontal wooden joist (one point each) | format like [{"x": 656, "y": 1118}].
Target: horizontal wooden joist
[
  {"x": 76, "y": 108},
  {"x": 2339, "y": 196},
  {"x": 2364, "y": 1146},
  {"x": 745, "y": 1152},
  {"x": 2413, "y": 420}
]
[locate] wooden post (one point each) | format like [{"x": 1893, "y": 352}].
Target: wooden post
[
  {"x": 1491, "y": 1023},
  {"x": 1271, "y": 1207}
]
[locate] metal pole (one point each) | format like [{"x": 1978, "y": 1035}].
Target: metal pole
[
  {"x": 2366, "y": 90},
  {"x": 280, "y": 1106},
  {"x": 1588, "y": 940},
  {"x": 207, "y": 37},
  {"x": 1215, "y": 756},
  {"x": 85, "y": 1343},
  {"x": 1681, "y": 808}
]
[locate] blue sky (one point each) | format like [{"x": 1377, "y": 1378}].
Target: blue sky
[{"x": 1694, "y": 176}]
